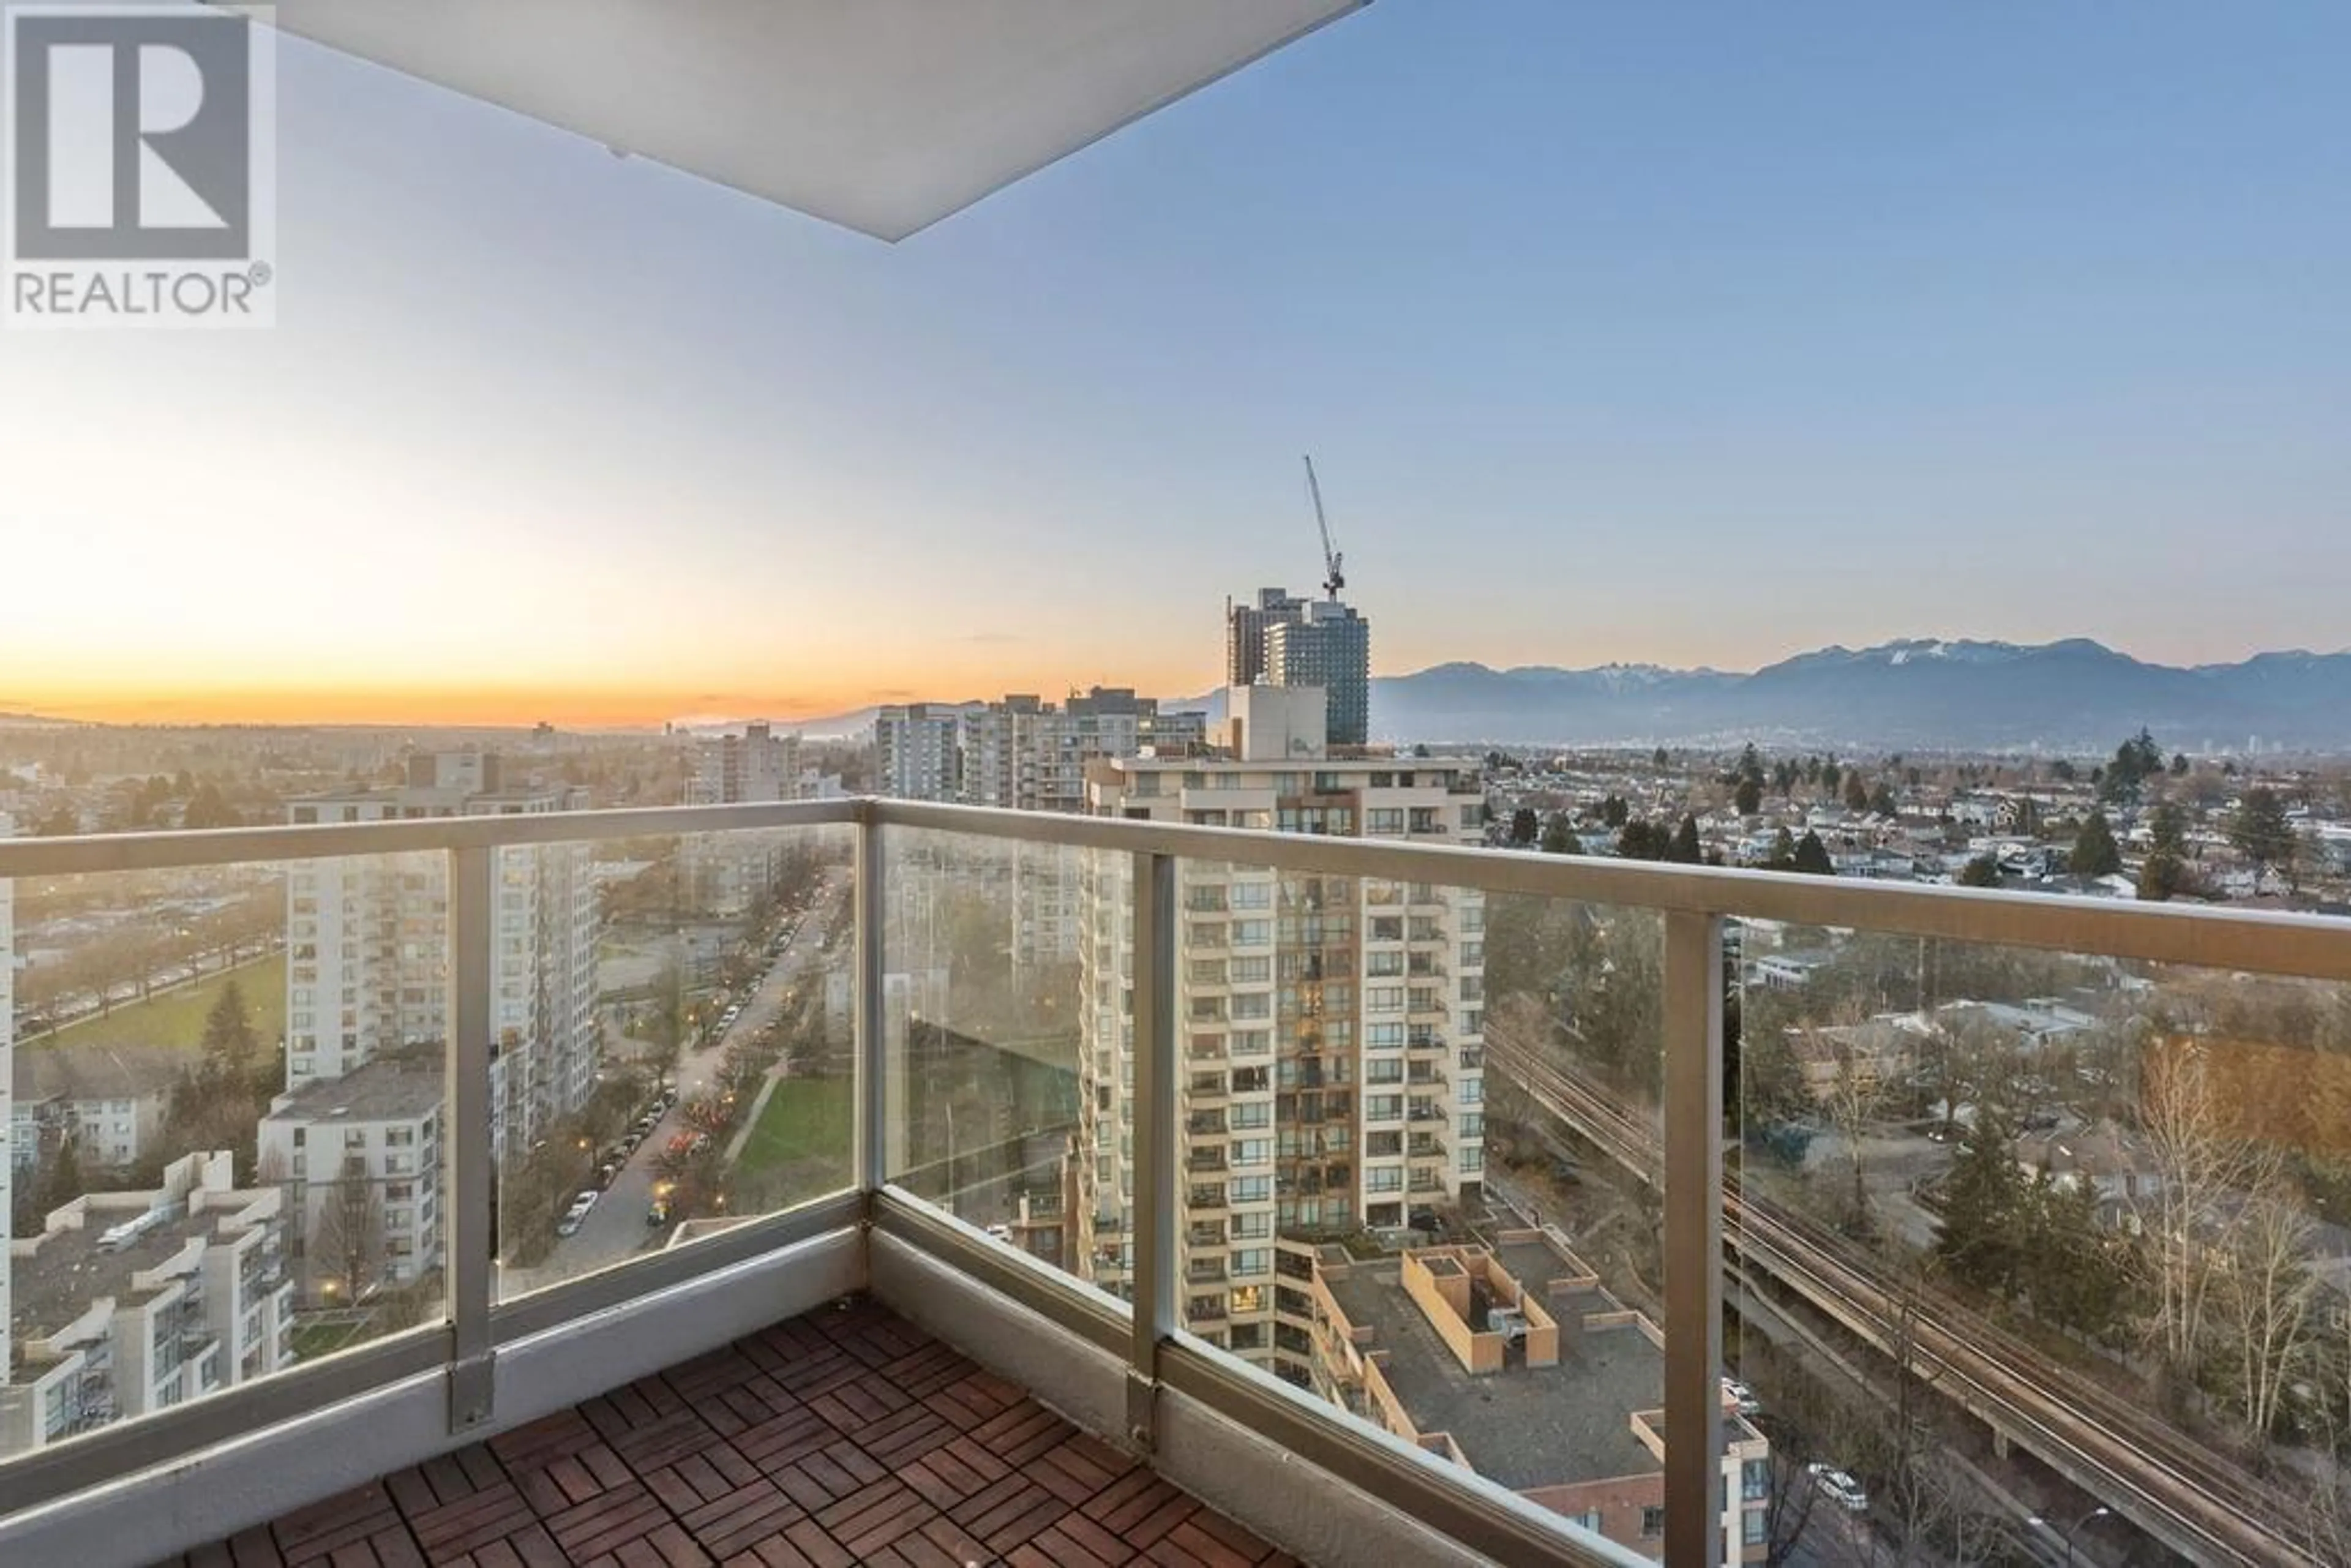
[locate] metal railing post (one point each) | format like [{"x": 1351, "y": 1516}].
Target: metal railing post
[
  {"x": 872, "y": 1065},
  {"x": 1693, "y": 1027},
  {"x": 470, "y": 1172},
  {"x": 1155, "y": 1139}
]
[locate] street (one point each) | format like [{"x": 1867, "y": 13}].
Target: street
[{"x": 615, "y": 1229}]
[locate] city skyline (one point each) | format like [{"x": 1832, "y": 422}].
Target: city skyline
[{"x": 1617, "y": 338}]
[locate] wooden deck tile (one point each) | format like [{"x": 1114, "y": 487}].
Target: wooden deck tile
[{"x": 845, "y": 1435}]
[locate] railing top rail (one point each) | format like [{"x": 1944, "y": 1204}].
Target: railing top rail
[
  {"x": 106, "y": 853},
  {"x": 2310, "y": 946},
  {"x": 2316, "y": 947}
]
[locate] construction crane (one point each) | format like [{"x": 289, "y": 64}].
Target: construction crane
[{"x": 1335, "y": 577}]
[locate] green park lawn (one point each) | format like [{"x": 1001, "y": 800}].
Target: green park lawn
[
  {"x": 807, "y": 1122},
  {"x": 177, "y": 1017}
]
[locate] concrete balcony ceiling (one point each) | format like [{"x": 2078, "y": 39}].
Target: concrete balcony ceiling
[{"x": 884, "y": 116}]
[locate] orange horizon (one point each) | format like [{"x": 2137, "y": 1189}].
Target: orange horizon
[{"x": 478, "y": 707}]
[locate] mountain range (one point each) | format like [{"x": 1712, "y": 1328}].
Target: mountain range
[{"x": 1915, "y": 693}]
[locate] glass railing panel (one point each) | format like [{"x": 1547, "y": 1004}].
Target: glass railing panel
[
  {"x": 1437, "y": 1207},
  {"x": 222, "y": 1147},
  {"x": 673, "y": 1021},
  {"x": 1007, "y": 1033},
  {"x": 2006, "y": 1215}
]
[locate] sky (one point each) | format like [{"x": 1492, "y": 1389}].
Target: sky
[{"x": 1701, "y": 333}]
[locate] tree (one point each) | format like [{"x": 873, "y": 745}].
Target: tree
[
  {"x": 1784, "y": 851},
  {"x": 1686, "y": 848},
  {"x": 206, "y": 809},
  {"x": 2096, "y": 854},
  {"x": 2198, "y": 1168},
  {"x": 61, "y": 1178},
  {"x": 2271, "y": 1305},
  {"x": 1811, "y": 856},
  {"x": 2063, "y": 771},
  {"x": 1613, "y": 812},
  {"x": 1524, "y": 827},
  {"x": 1829, "y": 775},
  {"x": 1856, "y": 792},
  {"x": 1787, "y": 1502},
  {"x": 1642, "y": 839},
  {"x": 2260, "y": 828},
  {"x": 1748, "y": 798},
  {"x": 1981, "y": 872},
  {"x": 1882, "y": 801},
  {"x": 230, "y": 1045},
  {"x": 2135, "y": 761},
  {"x": 1559, "y": 837},
  {"x": 1657, "y": 759},
  {"x": 1984, "y": 1207},
  {"x": 2170, "y": 828},
  {"x": 2178, "y": 764},
  {"x": 2160, "y": 876},
  {"x": 346, "y": 1241}
]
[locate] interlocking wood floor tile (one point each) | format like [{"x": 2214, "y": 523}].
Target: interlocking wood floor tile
[{"x": 843, "y": 1437}]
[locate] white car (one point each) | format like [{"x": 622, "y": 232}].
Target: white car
[
  {"x": 1742, "y": 1398},
  {"x": 1838, "y": 1487},
  {"x": 577, "y": 1213}
]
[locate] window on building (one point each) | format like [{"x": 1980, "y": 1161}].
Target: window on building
[{"x": 1653, "y": 1524}]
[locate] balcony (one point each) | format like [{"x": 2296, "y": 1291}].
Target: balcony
[{"x": 622, "y": 1387}]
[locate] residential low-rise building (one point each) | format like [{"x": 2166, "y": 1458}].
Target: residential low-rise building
[
  {"x": 359, "y": 1158},
  {"x": 131, "y": 1303},
  {"x": 108, "y": 1099}
]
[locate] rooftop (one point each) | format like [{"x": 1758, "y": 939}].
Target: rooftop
[
  {"x": 94, "y": 1071},
  {"x": 381, "y": 1090},
  {"x": 1523, "y": 1426},
  {"x": 56, "y": 1277}
]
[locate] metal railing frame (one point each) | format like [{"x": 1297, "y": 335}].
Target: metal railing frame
[{"x": 1694, "y": 904}]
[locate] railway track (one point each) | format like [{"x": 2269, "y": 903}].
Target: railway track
[{"x": 2198, "y": 1501}]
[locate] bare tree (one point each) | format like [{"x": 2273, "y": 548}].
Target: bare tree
[
  {"x": 2200, "y": 1168},
  {"x": 1786, "y": 1506},
  {"x": 2270, "y": 1302},
  {"x": 1850, "y": 1098},
  {"x": 347, "y": 1240}
]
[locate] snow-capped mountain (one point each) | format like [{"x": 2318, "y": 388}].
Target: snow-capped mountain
[{"x": 1912, "y": 693}]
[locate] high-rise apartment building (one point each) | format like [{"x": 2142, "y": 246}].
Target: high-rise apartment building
[
  {"x": 1030, "y": 756},
  {"x": 367, "y": 941},
  {"x": 917, "y": 751},
  {"x": 1284, "y": 640},
  {"x": 756, "y": 765},
  {"x": 1330, "y": 647},
  {"x": 1245, "y": 629},
  {"x": 726, "y": 873},
  {"x": 1331, "y": 1070}
]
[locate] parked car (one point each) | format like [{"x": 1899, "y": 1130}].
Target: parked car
[
  {"x": 1742, "y": 1398},
  {"x": 1838, "y": 1487},
  {"x": 577, "y": 1215},
  {"x": 657, "y": 1211}
]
